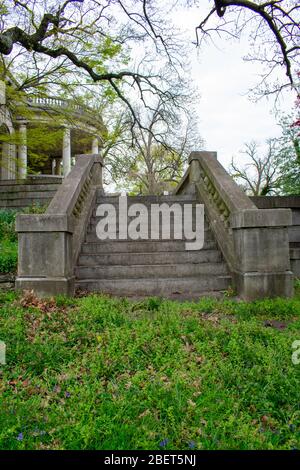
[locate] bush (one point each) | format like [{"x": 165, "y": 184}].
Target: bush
[
  {"x": 7, "y": 225},
  {"x": 8, "y": 256},
  {"x": 9, "y": 237}
]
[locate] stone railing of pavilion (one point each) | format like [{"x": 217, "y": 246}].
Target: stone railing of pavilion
[
  {"x": 49, "y": 243},
  {"x": 254, "y": 242},
  {"x": 54, "y": 103}
]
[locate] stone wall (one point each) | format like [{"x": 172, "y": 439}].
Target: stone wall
[{"x": 286, "y": 202}]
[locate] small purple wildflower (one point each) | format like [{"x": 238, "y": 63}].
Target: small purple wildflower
[
  {"x": 163, "y": 443},
  {"x": 67, "y": 394},
  {"x": 20, "y": 437},
  {"x": 192, "y": 444}
]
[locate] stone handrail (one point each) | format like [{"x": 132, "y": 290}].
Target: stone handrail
[
  {"x": 49, "y": 243},
  {"x": 254, "y": 242}
]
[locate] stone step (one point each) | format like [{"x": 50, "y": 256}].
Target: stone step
[
  {"x": 295, "y": 253},
  {"x": 27, "y": 195},
  {"x": 33, "y": 181},
  {"x": 139, "y": 246},
  {"x": 179, "y": 257},
  {"x": 91, "y": 227},
  {"x": 142, "y": 271},
  {"x": 28, "y": 188},
  {"x": 96, "y": 217},
  {"x": 21, "y": 203},
  {"x": 191, "y": 287},
  {"x": 95, "y": 220},
  {"x": 183, "y": 198},
  {"x": 92, "y": 236},
  {"x": 148, "y": 206}
]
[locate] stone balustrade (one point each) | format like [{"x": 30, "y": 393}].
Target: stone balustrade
[
  {"x": 54, "y": 102},
  {"x": 49, "y": 243},
  {"x": 254, "y": 242}
]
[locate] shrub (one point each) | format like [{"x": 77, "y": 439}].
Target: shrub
[
  {"x": 8, "y": 256},
  {"x": 7, "y": 224},
  {"x": 9, "y": 237}
]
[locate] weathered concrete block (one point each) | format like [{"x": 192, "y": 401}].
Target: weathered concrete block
[
  {"x": 45, "y": 254},
  {"x": 47, "y": 287},
  {"x": 255, "y": 285},
  {"x": 262, "y": 249},
  {"x": 261, "y": 218}
]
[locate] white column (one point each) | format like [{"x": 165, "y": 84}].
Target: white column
[
  {"x": 12, "y": 162},
  {"x": 66, "y": 151},
  {"x": 95, "y": 145},
  {"x": 22, "y": 152},
  {"x": 5, "y": 161}
]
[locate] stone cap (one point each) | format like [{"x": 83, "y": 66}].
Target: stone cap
[
  {"x": 202, "y": 153},
  {"x": 252, "y": 218},
  {"x": 274, "y": 202},
  {"x": 44, "y": 223},
  {"x": 96, "y": 156}
]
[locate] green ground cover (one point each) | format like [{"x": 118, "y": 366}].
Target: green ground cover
[{"x": 104, "y": 373}]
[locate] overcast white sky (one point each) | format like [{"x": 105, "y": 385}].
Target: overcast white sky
[{"x": 227, "y": 117}]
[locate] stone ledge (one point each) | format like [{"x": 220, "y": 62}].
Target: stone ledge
[
  {"x": 251, "y": 218},
  {"x": 43, "y": 223},
  {"x": 276, "y": 202},
  {"x": 199, "y": 155}
]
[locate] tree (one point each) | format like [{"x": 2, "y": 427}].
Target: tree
[
  {"x": 154, "y": 162},
  {"x": 83, "y": 34},
  {"x": 288, "y": 157},
  {"x": 272, "y": 27},
  {"x": 89, "y": 42},
  {"x": 258, "y": 177}
]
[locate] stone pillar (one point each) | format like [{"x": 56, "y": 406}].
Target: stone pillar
[
  {"x": 22, "y": 152},
  {"x": 261, "y": 249},
  {"x": 95, "y": 146},
  {"x": 66, "y": 151}
]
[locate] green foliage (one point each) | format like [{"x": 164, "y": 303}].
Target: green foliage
[
  {"x": 35, "y": 209},
  {"x": 8, "y": 256},
  {"x": 7, "y": 225},
  {"x": 288, "y": 158},
  {"x": 106, "y": 373},
  {"x": 9, "y": 238},
  {"x": 297, "y": 287}
]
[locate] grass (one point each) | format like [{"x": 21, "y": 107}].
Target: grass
[
  {"x": 105, "y": 373},
  {"x": 9, "y": 237}
]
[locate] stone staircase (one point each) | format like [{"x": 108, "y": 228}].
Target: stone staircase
[
  {"x": 60, "y": 251},
  {"x": 32, "y": 191},
  {"x": 139, "y": 268}
]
